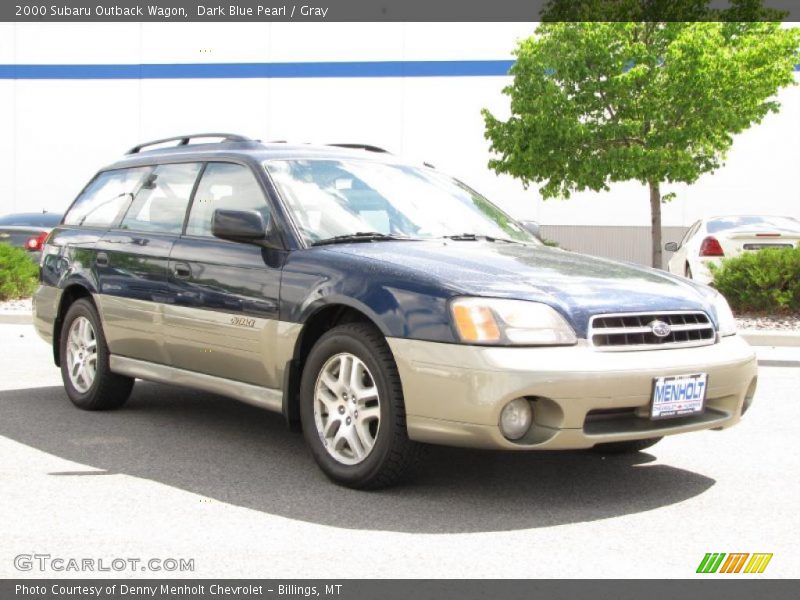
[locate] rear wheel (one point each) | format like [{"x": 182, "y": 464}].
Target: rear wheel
[
  {"x": 688, "y": 272},
  {"x": 629, "y": 447},
  {"x": 352, "y": 409},
  {"x": 88, "y": 379}
]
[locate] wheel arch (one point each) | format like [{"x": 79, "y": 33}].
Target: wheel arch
[
  {"x": 71, "y": 294},
  {"x": 323, "y": 319}
]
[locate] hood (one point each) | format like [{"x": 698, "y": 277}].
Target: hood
[{"x": 577, "y": 285}]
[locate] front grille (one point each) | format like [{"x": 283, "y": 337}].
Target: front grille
[{"x": 635, "y": 330}]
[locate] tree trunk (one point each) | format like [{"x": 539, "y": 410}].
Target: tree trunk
[{"x": 655, "y": 223}]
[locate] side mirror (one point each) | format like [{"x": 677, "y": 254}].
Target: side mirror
[
  {"x": 245, "y": 226},
  {"x": 533, "y": 228},
  {"x": 671, "y": 246}
]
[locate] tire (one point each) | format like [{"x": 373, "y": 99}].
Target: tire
[
  {"x": 630, "y": 447},
  {"x": 333, "y": 429},
  {"x": 688, "y": 272},
  {"x": 104, "y": 390}
]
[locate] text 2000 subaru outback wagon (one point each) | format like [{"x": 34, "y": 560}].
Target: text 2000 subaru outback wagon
[{"x": 376, "y": 305}]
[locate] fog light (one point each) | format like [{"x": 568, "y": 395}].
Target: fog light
[{"x": 515, "y": 420}]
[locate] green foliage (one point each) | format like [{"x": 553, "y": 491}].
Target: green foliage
[
  {"x": 763, "y": 281},
  {"x": 658, "y": 10},
  {"x": 594, "y": 103},
  {"x": 18, "y": 273}
]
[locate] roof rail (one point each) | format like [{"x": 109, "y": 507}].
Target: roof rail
[
  {"x": 367, "y": 147},
  {"x": 184, "y": 140}
]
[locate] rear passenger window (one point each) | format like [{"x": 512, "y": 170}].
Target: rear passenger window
[
  {"x": 101, "y": 203},
  {"x": 160, "y": 204},
  {"x": 227, "y": 186}
]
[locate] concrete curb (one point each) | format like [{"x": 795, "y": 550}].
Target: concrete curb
[
  {"x": 779, "y": 363},
  {"x": 16, "y": 318},
  {"x": 762, "y": 337}
]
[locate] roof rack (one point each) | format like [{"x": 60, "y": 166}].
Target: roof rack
[
  {"x": 184, "y": 140},
  {"x": 367, "y": 147}
]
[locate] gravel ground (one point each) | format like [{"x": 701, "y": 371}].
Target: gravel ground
[
  {"x": 16, "y": 306},
  {"x": 773, "y": 323}
]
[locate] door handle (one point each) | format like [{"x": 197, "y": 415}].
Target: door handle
[
  {"x": 101, "y": 260},
  {"x": 182, "y": 270}
]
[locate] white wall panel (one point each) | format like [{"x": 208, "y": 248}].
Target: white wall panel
[
  {"x": 337, "y": 110},
  {"x": 204, "y": 42},
  {"x": 178, "y": 106},
  {"x": 81, "y": 43},
  {"x": 66, "y": 131},
  {"x": 7, "y": 43},
  {"x": 8, "y": 162},
  {"x": 311, "y": 42},
  {"x": 463, "y": 41}
]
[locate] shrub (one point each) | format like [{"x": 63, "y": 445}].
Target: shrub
[
  {"x": 18, "y": 273},
  {"x": 763, "y": 281}
]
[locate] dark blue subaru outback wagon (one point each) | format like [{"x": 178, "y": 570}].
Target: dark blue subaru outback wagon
[{"x": 377, "y": 305}]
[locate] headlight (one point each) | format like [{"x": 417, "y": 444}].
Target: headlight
[
  {"x": 726, "y": 322},
  {"x": 509, "y": 322}
]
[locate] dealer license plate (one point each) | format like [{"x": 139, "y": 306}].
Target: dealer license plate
[{"x": 678, "y": 396}]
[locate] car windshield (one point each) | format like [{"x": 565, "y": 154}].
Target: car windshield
[
  {"x": 752, "y": 222},
  {"x": 345, "y": 197},
  {"x": 31, "y": 219}
]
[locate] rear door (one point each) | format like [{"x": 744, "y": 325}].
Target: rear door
[
  {"x": 131, "y": 262},
  {"x": 224, "y": 318}
]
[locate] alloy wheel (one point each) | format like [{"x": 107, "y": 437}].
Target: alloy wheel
[
  {"x": 82, "y": 354},
  {"x": 347, "y": 410}
]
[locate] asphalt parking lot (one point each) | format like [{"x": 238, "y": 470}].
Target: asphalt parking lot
[{"x": 182, "y": 474}]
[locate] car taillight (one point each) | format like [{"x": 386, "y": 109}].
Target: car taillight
[
  {"x": 711, "y": 247},
  {"x": 36, "y": 243}
]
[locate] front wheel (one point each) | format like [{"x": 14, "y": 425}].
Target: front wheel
[
  {"x": 629, "y": 447},
  {"x": 88, "y": 379},
  {"x": 352, "y": 409}
]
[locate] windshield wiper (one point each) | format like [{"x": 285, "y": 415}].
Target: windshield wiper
[
  {"x": 361, "y": 236},
  {"x": 473, "y": 237}
]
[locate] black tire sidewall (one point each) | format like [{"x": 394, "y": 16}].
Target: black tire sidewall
[{"x": 334, "y": 342}]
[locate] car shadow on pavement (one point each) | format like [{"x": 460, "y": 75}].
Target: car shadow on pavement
[{"x": 238, "y": 454}]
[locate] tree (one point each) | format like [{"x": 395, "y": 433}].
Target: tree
[{"x": 656, "y": 102}]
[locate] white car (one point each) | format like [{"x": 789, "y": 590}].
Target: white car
[{"x": 710, "y": 240}]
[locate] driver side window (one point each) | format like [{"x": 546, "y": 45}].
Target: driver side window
[
  {"x": 160, "y": 204},
  {"x": 224, "y": 186}
]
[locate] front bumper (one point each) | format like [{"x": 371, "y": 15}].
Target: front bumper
[{"x": 581, "y": 397}]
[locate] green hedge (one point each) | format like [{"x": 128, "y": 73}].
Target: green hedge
[
  {"x": 18, "y": 273},
  {"x": 763, "y": 281}
]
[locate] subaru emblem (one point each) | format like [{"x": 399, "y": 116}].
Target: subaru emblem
[{"x": 660, "y": 329}]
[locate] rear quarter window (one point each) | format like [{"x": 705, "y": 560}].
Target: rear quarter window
[{"x": 109, "y": 193}]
